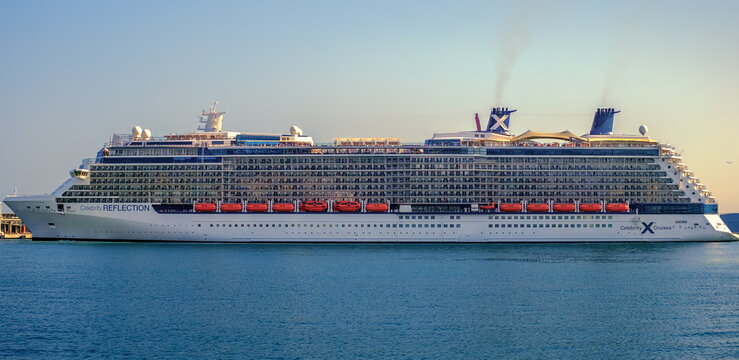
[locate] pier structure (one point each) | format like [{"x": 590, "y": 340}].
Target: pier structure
[{"x": 12, "y": 227}]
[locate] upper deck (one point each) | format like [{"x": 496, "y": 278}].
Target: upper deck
[
  {"x": 448, "y": 169},
  {"x": 496, "y": 139}
]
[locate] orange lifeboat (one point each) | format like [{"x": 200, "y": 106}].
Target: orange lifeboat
[
  {"x": 231, "y": 207},
  {"x": 591, "y": 207},
  {"x": 283, "y": 207},
  {"x": 205, "y": 207},
  {"x": 313, "y": 206},
  {"x": 564, "y": 207},
  {"x": 376, "y": 207},
  {"x": 512, "y": 207},
  {"x": 347, "y": 206},
  {"x": 257, "y": 207},
  {"x": 490, "y": 206},
  {"x": 619, "y": 207},
  {"x": 537, "y": 207}
]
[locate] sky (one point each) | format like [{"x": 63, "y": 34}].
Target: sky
[{"x": 74, "y": 72}]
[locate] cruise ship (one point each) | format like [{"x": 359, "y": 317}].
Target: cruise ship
[{"x": 483, "y": 185}]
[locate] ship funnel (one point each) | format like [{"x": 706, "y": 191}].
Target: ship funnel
[
  {"x": 603, "y": 121},
  {"x": 499, "y": 120}
]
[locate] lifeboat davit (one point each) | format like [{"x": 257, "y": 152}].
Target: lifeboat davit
[
  {"x": 537, "y": 207},
  {"x": 205, "y": 207},
  {"x": 490, "y": 206},
  {"x": 231, "y": 207},
  {"x": 512, "y": 207},
  {"x": 257, "y": 207},
  {"x": 564, "y": 207},
  {"x": 619, "y": 207},
  {"x": 347, "y": 206},
  {"x": 313, "y": 206},
  {"x": 376, "y": 207},
  {"x": 283, "y": 207},
  {"x": 591, "y": 207}
]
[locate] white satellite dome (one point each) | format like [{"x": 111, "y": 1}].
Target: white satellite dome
[
  {"x": 296, "y": 131},
  {"x": 643, "y": 130},
  {"x": 147, "y": 134},
  {"x": 136, "y": 132}
]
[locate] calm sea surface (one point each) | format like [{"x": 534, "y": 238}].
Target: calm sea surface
[{"x": 71, "y": 300}]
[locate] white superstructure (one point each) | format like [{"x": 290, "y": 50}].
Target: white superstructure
[{"x": 473, "y": 186}]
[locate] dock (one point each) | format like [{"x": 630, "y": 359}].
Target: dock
[{"x": 11, "y": 227}]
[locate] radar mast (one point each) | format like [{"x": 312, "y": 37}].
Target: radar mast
[{"x": 211, "y": 119}]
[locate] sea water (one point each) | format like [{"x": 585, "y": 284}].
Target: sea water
[{"x": 594, "y": 301}]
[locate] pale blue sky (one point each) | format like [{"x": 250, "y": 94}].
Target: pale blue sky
[{"x": 73, "y": 72}]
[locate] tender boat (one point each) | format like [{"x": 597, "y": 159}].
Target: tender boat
[
  {"x": 283, "y": 207},
  {"x": 537, "y": 207},
  {"x": 376, "y": 207},
  {"x": 235, "y": 207},
  {"x": 617, "y": 207},
  {"x": 313, "y": 206},
  {"x": 590, "y": 207},
  {"x": 257, "y": 207},
  {"x": 205, "y": 207},
  {"x": 511, "y": 207},
  {"x": 564, "y": 207},
  {"x": 347, "y": 206}
]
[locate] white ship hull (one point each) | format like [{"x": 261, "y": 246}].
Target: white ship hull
[{"x": 140, "y": 222}]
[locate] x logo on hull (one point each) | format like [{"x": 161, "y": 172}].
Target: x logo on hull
[{"x": 647, "y": 227}]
